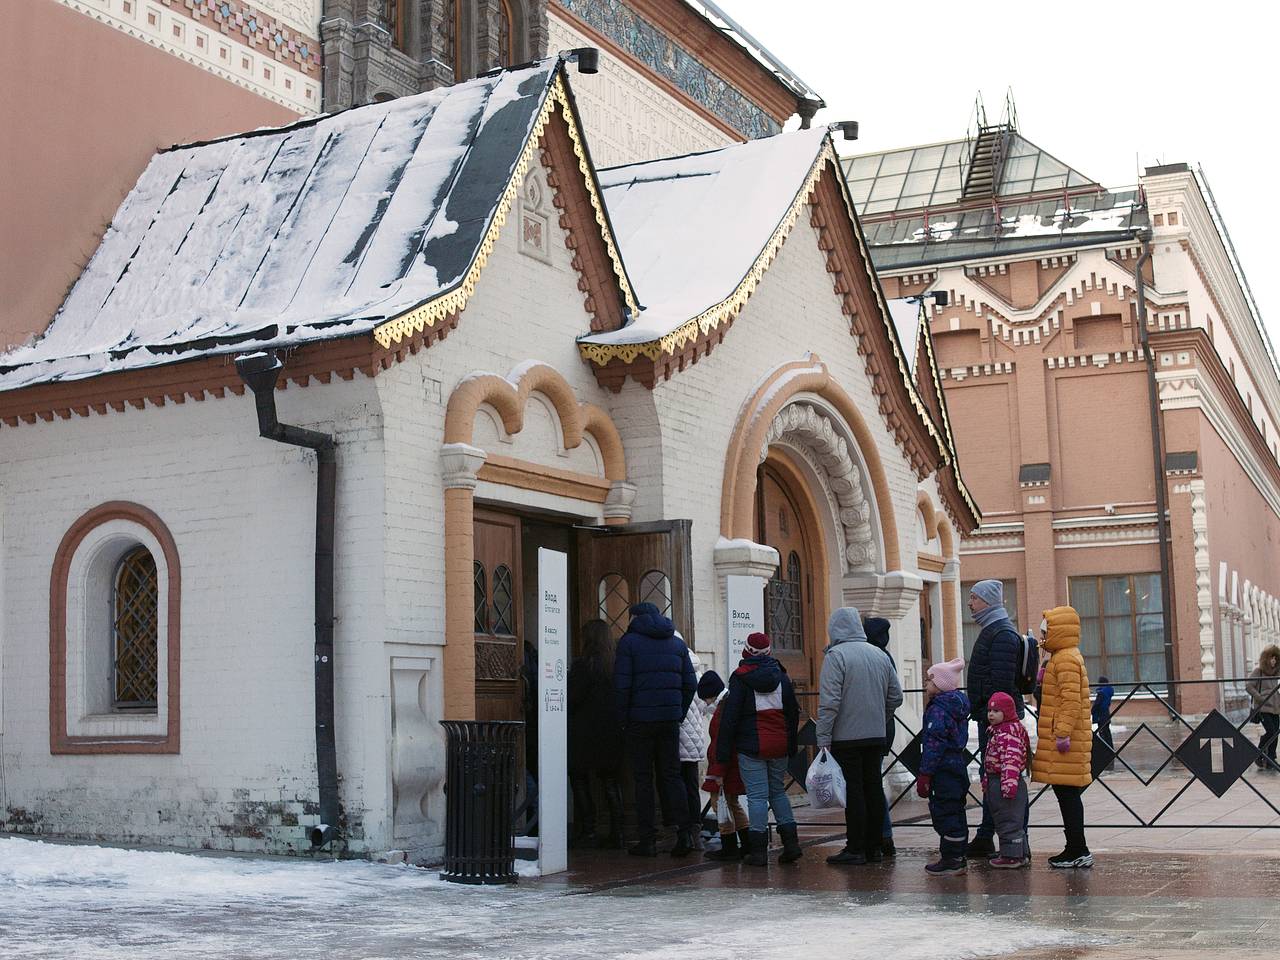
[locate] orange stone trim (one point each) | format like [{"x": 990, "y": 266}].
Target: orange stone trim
[
  {"x": 535, "y": 476},
  {"x": 930, "y": 562},
  {"x": 60, "y": 742},
  {"x": 737, "y": 496},
  {"x": 935, "y": 523}
]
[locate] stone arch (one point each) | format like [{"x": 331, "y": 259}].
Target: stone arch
[
  {"x": 509, "y": 395},
  {"x": 936, "y": 523},
  {"x": 775, "y": 392}
]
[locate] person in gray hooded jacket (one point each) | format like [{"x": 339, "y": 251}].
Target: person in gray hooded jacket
[{"x": 857, "y": 693}]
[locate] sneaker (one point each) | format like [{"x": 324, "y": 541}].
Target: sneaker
[
  {"x": 980, "y": 847},
  {"x": 846, "y": 856},
  {"x": 1008, "y": 863},
  {"x": 1071, "y": 860},
  {"x": 945, "y": 868}
]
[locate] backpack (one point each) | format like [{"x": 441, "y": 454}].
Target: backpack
[{"x": 1028, "y": 666}]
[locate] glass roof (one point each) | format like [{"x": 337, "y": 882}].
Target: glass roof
[{"x": 930, "y": 176}]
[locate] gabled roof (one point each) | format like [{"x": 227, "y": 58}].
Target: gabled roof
[
  {"x": 931, "y": 175},
  {"x": 371, "y": 221},
  {"x": 697, "y": 230}
]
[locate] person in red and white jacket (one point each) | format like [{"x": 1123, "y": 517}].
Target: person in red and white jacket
[
  {"x": 1003, "y": 783},
  {"x": 759, "y": 723}
]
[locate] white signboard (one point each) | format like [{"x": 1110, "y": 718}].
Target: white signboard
[
  {"x": 744, "y": 614},
  {"x": 553, "y": 697}
]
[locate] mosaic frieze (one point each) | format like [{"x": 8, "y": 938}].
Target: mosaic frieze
[
  {"x": 257, "y": 29},
  {"x": 665, "y": 57}
]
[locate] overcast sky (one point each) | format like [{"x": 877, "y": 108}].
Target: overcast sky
[{"x": 1103, "y": 86}]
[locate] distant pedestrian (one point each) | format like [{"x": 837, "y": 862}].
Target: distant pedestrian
[
  {"x": 1101, "y": 713},
  {"x": 858, "y": 691},
  {"x": 993, "y": 668},
  {"x": 1003, "y": 784},
  {"x": 723, "y": 782},
  {"x": 1264, "y": 692},
  {"x": 595, "y": 737},
  {"x": 877, "y": 630},
  {"x": 693, "y": 749},
  {"x": 759, "y": 723},
  {"x": 1064, "y": 742},
  {"x": 653, "y": 676},
  {"x": 944, "y": 764}
]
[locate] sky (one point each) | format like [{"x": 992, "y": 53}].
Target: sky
[{"x": 1106, "y": 87}]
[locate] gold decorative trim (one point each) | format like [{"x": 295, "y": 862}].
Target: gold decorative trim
[
  {"x": 670, "y": 344},
  {"x": 436, "y": 309}
]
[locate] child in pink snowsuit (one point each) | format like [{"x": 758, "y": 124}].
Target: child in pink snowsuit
[{"x": 1008, "y": 748}]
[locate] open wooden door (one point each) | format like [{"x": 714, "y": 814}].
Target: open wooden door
[{"x": 639, "y": 562}]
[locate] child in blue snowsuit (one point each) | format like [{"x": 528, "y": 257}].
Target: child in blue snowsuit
[{"x": 944, "y": 764}]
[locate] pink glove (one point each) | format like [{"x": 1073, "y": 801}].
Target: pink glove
[
  {"x": 1064, "y": 744},
  {"x": 923, "y": 783},
  {"x": 1009, "y": 794}
]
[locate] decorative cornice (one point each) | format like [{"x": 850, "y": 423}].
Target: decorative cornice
[{"x": 430, "y": 313}]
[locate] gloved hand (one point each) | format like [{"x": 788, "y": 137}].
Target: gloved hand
[
  {"x": 1064, "y": 744},
  {"x": 712, "y": 784},
  {"x": 923, "y": 782},
  {"x": 1009, "y": 794}
]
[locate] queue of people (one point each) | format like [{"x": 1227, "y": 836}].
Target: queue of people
[{"x": 647, "y": 701}]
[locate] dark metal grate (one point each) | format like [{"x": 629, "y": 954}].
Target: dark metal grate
[{"x": 136, "y": 626}]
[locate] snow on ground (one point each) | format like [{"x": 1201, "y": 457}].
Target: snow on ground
[{"x": 95, "y": 903}]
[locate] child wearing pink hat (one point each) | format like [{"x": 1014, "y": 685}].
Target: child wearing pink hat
[
  {"x": 944, "y": 764},
  {"x": 1003, "y": 785}
]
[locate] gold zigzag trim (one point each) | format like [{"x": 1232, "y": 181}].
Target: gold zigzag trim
[
  {"x": 433, "y": 311},
  {"x": 727, "y": 309}
]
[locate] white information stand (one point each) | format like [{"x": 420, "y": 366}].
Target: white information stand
[
  {"x": 744, "y": 615},
  {"x": 553, "y": 699}
]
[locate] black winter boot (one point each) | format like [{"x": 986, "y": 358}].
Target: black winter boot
[
  {"x": 744, "y": 844},
  {"x": 728, "y": 849},
  {"x": 790, "y": 835},
  {"x": 684, "y": 842},
  {"x": 758, "y": 849},
  {"x": 644, "y": 848}
]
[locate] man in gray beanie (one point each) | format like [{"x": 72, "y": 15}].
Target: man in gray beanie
[
  {"x": 857, "y": 693},
  {"x": 993, "y": 668}
]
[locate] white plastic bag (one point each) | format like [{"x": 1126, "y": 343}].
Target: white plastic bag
[
  {"x": 723, "y": 814},
  {"x": 825, "y": 782}
]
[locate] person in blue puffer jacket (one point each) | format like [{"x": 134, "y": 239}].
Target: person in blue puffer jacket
[
  {"x": 654, "y": 678},
  {"x": 944, "y": 764}
]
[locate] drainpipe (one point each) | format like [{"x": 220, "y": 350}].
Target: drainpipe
[
  {"x": 261, "y": 371},
  {"x": 1157, "y": 453}
]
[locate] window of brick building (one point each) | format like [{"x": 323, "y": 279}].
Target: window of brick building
[
  {"x": 135, "y": 654},
  {"x": 1121, "y": 626},
  {"x": 971, "y": 629}
]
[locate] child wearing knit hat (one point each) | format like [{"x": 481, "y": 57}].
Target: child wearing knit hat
[
  {"x": 944, "y": 764},
  {"x": 1005, "y": 788},
  {"x": 723, "y": 781}
]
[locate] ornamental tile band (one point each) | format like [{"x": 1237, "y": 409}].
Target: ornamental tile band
[{"x": 667, "y": 58}]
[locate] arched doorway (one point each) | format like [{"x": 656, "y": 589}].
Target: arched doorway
[{"x": 795, "y": 597}]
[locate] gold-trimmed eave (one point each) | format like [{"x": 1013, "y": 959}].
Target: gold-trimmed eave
[
  {"x": 710, "y": 320},
  {"x": 953, "y": 460},
  {"x": 452, "y": 302}
]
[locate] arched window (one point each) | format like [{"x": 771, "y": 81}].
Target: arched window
[
  {"x": 655, "y": 588},
  {"x": 135, "y": 603},
  {"x": 506, "y": 31},
  {"x": 448, "y": 31},
  {"x": 785, "y": 607},
  {"x": 504, "y": 621},
  {"x": 614, "y": 601},
  {"x": 396, "y": 23}
]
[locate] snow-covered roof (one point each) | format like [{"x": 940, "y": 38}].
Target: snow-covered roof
[
  {"x": 691, "y": 229},
  {"x": 325, "y": 228}
]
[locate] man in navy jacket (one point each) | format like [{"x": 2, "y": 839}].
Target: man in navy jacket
[
  {"x": 655, "y": 682},
  {"x": 993, "y": 668}
]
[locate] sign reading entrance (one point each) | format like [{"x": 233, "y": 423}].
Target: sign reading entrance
[
  {"x": 553, "y": 672},
  {"x": 1216, "y": 753},
  {"x": 744, "y": 613}
]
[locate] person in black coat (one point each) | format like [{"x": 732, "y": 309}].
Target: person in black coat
[
  {"x": 993, "y": 668},
  {"x": 595, "y": 737},
  {"x": 877, "y": 630},
  {"x": 655, "y": 682}
]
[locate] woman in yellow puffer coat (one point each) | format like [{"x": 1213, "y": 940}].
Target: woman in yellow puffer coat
[{"x": 1064, "y": 741}]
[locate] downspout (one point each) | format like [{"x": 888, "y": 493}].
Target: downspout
[
  {"x": 1157, "y": 454},
  {"x": 261, "y": 371}
]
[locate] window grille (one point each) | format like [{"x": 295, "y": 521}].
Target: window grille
[
  {"x": 481, "y": 587},
  {"x": 448, "y": 31},
  {"x": 655, "y": 588},
  {"x": 614, "y": 603},
  {"x": 135, "y": 628},
  {"x": 784, "y": 601},
  {"x": 504, "y": 621},
  {"x": 505, "y": 32}
]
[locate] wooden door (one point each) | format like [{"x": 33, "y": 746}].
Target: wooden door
[
  {"x": 635, "y": 563},
  {"x": 499, "y": 630},
  {"x": 926, "y": 627},
  {"x": 789, "y": 609}
]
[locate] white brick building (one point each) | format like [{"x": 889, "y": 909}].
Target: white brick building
[{"x": 158, "y": 640}]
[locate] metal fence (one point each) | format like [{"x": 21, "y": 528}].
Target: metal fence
[{"x": 1214, "y": 749}]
